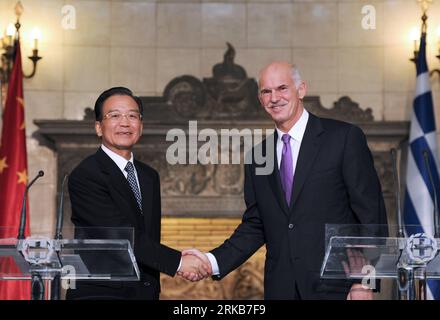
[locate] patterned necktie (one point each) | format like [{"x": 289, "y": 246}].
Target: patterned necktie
[
  {"x": 133, "y": 184},
  {"x": 286, "y": 168}
]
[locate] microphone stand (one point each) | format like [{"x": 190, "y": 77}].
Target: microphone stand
[
  {"x": 21, "y": 229},
  {"x": 56, "y": 282},
  {"x": 403, "y": 274},
  {"x": 400, "y": 233},
  {"x": 37, "y": 284}
]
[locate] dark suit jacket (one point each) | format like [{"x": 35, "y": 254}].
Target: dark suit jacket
[
  {"x": 101, "y": 197},
  {"x": 335, "y": 182}
]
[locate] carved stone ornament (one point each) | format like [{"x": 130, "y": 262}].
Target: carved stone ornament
[
  {"x": 344, "y": 109},
  {"x": 228, "y": 94}
]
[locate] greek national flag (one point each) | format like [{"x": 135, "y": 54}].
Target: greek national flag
[{"x": 419, "y": 195}]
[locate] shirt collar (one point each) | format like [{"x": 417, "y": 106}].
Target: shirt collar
[
  {"x": 298, "y": 129},
  {"x": 120, "y": 161}
]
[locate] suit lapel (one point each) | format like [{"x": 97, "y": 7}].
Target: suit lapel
[
  {"x": 275, "y": 180},
  {"x": 118, "y": 183},
  {"x": 307, "y": 155}
]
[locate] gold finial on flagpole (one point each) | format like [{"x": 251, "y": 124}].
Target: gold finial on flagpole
[
  {"x": 18, "y": 9},
  {"x": 424, "y": 4},
  {"x": 7, "y": 51}
]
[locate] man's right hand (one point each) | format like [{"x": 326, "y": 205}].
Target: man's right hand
[{"x": 195, "y": 265}]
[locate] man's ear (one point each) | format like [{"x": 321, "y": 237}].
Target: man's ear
[
  {"x": 302, "y": 90},
  {"x": 98, "y": 128},
  {"x": 141, "y": 129}
]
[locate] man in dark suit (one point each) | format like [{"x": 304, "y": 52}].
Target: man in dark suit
[
  {"x": 323, "y": 173},
  {"x": 112, "y": 189}
]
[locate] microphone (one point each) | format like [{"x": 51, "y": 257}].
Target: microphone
[
  {"x": 56, "y": 282},
  {"x": 431, "y": 180},
  {"x": 396, "y": 182},
  {"x": 59, "y": 226},
  {"x": 402, "y": 272},
  {"x": 23, "y": 207}
]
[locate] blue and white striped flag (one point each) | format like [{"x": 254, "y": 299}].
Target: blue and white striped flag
[{"x": 419, "y": 195}]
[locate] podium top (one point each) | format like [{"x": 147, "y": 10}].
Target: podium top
[
  {"x": 366, "y": 251},
  {"x": 93, "y": 254}
]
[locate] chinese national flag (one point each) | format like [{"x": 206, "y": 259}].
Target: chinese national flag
[{"x": 13, "y": 176}]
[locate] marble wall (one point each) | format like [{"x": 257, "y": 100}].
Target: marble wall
[{"x": 144, "y": 44}]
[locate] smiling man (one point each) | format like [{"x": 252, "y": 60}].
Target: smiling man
[
  {"x": 112, "y": 189},
  {"x": 324, "y": 173}
]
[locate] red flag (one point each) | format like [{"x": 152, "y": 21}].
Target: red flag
[{"x": 13, "y": 175}]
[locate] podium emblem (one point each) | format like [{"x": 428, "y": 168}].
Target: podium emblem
[{"x": 421, "y": 248}]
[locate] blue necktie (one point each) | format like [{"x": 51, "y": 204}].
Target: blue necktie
[
  {"x": 133, "y": 184},
  {"x": 286, "y": 168}
]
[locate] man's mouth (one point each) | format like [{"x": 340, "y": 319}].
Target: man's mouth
[
  {"x": 124, "y": 133},
  {"x": 276, "y": 106}
]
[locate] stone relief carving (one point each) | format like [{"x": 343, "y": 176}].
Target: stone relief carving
[
  {"x": 187, "y": 96},
  {"x": 186, "y": 179},
  {"x": 228, "y": 94},
  {"x": 250, "y": 281},
  {"x": 344, "y": 109},
  {"x": 178, "y": 288},
  {"x": 231, "y": 92},
  {"x": 191, "y": 179},
  {"x": 383, "y": 165},
  {"x": 229, "y": 179}
]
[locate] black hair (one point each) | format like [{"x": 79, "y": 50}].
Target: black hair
[{"x": 115, "y": 91}]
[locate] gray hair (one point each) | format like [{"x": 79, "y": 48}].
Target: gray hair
[
  {"x": 294, "y": 72},
  {"x": 296, "y": 77}
]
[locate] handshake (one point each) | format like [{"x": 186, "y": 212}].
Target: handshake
[{"x": 195, "y": 265}]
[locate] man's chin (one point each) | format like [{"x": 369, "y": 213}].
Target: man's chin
[
  {"x": 124, "y": 147},
  {"x": 278, "y": 118},
  {"x": 125, "y": 144}
]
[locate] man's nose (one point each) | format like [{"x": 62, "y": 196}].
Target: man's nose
[
  {"x": 124, "y": 120},
  {"x": 274, "y": 96}
]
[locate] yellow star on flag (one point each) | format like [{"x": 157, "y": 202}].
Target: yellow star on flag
[
  {"x": 3, "y": 164},
  {"x": 22, "y": 177},
  {"x": 23, "y": 126}
]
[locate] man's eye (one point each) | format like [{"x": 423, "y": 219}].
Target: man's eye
[
  {"x": 114, "y": 116},
  {"x": 133, "y": 116}
]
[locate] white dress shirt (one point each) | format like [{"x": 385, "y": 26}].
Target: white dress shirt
[
  {"x": 121, "y": 162},
  {"x": 297, "y": 134}
]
